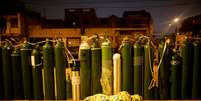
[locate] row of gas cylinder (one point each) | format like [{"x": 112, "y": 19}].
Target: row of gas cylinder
[
  {"x": 25, "y": 75},
  {"x": 28, "y": 74},
  {"x": 133, "y": 69},
  {"x": 103, "y": 71}
]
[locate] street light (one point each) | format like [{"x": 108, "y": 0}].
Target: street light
[
  {"x": 169, "y": 24},
  {"x": 176, "y": 20}
]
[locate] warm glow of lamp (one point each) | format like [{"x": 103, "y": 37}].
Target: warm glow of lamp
[{"x": 176, "y": 20}]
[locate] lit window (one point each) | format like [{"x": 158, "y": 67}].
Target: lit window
[{"x": 14, "y": 22}]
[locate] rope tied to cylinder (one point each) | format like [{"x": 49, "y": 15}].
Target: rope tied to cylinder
[
  {"x": 154, "y": 81},
  {"x": 37, "y": 65}
]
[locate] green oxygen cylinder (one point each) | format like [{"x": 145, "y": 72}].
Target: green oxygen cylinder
[
  {"x": 127, "y": 66},
  {"x": 7, "y": 71},
  {"x": 17, "y": 75},
  {"x": 48, "y": 64},
  {"x": 164, "y": 71},
  {"x": 85, "y": 68},
  {"x": 148, "y": 65},
  {"x": 107, "y": 68},
  {"x": 187, "y": 64},
  {"x": 196, "y": 88},
  {"x": 1, "y": 75},
  {"x": 95, "y": 67},
  {"x": 36, "y": 62},
  {"x": 175, "y": 77},
  {"x": 138, "y": 68},
  {"x": 68, "y": 88},
  {"x": 60, "y": 64},
  {"x": 25, "y": 52}
]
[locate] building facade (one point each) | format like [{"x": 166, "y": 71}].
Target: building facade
[{"x": 79, "y": 22}]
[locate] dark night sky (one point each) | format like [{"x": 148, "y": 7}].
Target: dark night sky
[{"x": 163, "y": 11}]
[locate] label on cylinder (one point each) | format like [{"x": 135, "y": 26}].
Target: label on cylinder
[
  {"x": 75, "y": 78},
  {"x": 33, "y": 61},
  {"x": 138, "y": 60}
]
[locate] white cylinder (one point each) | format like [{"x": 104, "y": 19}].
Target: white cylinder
[
  {"x": 75, "y": 85},
  {"x": 117, "y": 73}
]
